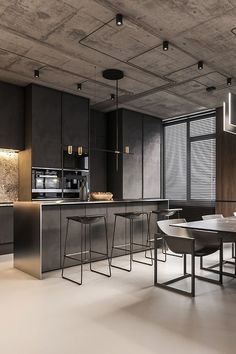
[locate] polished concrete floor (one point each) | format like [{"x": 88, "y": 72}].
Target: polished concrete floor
[{"x": 123, "y": 314}]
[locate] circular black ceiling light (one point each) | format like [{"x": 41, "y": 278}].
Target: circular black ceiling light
[
  {"x": 165, "y": 45},
  {"x": 200, "y": 65},
  {"x": 113, "y": 74},
  {"x": 229, "y": 81}
]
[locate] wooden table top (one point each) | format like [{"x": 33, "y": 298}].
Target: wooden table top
[{"x": 226, "y": 225}]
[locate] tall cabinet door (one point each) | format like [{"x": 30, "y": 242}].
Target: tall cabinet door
[
  {"x": 75, "y": 122},
  {"x": 132, "y": 164},
  {"x": 46, "y": 126},
  {"x": 152, "y": 133}
]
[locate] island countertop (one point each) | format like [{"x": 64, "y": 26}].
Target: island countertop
[{"x": 91, "y": 202}]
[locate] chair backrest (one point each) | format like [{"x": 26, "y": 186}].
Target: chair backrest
[
  {"x": 212, "y": 216},
  {"x": 176, "y": 244},
  {"x": 234, "y": 213},
  {"x": 166, "y": 228}
]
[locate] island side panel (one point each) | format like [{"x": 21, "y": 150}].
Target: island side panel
[
  {"x": 27, "y": 238},
  {"x": 51, "y": 240}
]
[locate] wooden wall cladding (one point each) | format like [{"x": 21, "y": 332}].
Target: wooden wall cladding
[{"x": 225, "y": 168}]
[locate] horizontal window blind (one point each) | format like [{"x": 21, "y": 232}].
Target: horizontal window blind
[
  {"x": 203, "y": 170},
  {"x": 175, "y": 159},
  {"x": 190, "y": 159},
  {"x": 201, "y": 127}
]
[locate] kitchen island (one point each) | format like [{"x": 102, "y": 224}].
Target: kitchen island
[{"x": 40, "y": 229}]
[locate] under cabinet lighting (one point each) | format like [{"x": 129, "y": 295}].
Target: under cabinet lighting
[
  {"x": 126, "y": 149},
  {"x": 80, "y": 150},
  {"x": 70, "y": 149},
  {"x": 9, "y": 151}
]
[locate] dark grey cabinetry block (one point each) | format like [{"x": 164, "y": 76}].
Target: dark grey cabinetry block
[
  {"x": 74, "y": 235},
  {"x": 46, "y": 126},
  {"x": 132, "y": 164},
  {"x": 12, "y": 116},
  {"x": 6, "y": 230},
  {"x": 152, "y": 133},
  {"x": 75, "y": 120},
  {"x": 98, "y": 159},
  {"x": 51, "y": 255}
]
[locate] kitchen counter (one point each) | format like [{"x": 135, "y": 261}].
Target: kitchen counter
[
  {"x": 40, "y": 229},
  {"x": 91, "y": 202}
]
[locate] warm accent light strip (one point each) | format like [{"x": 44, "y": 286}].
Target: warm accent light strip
[{"x": 9, "y": 151}]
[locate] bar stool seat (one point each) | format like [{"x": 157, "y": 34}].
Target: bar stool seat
[
  {"x": 131, "y": 216},
  {"x": 88, "y": 221}
]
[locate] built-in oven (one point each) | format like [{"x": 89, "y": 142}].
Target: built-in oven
[
  {"x": 56, "y": 184},
  {"x": 46, "y": 183}
]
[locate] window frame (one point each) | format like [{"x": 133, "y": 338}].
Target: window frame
[{"x": 188, "y": 120}]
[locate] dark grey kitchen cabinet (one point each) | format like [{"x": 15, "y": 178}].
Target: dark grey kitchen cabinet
[
  {"x": 98, "y": 159},
  {"x": 12, "y": 116},
  {"x": 45, "y": 116},
  {"x": 51, "y": 242},
  {"x": 132, "y": 164},
  {"x": 75, "y": 120},
  {"x": 152, "y": 135},
  {"x": 126, "y": 181},
  {"x": 6, "y": 229}
]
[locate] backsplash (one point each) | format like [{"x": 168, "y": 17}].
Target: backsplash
[{"x": 8, "y": 176}]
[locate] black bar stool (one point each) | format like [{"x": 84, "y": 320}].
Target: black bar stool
[
  {"x": 163, "y": 214},
  {"x": 84, "y": 221},
  {"x": 131, "y": 216}
]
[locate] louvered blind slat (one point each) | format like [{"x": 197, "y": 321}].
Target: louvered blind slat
[{"x": 176, "y": 161}]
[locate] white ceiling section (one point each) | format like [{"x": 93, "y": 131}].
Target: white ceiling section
[{"x": 73, "y": 41}]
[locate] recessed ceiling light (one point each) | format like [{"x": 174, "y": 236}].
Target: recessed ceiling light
[
  {"x": 229, "y": 81},
  {"x": 79, "y": 87},
  {"x": 119, "y": 20},
  {"x": 200, "y": 65},
  {"x": 165, "y": 45},
  {"x": 112, "y": 96},
  {"x": 36, "y": 73}
]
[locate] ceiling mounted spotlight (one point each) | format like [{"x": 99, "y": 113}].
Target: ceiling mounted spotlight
[
  {"x": 200, "y": 65},
  {"x": 119, "y": 20},
  {"x": 79, "y": 87},
  {"x": 36, "y": 73},
  {"x": 229, "y": 81},
  {"x": 165, "y": 45},
  {"x": 210, "y": 88},
  {"x": 112, "y": 96}
]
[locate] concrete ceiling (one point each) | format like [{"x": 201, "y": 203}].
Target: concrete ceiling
[{"x": 73, "y": 41}]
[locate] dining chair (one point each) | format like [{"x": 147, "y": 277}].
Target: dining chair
[
  {"x": 186, "y": 242},
  {"x": 234, "y": 213},
  {"x": 226, "y": 239}
]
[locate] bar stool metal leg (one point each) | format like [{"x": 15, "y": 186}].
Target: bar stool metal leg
[
  {"x": 101, "y": 253},
  {"x": 115, "y": 247},
  {"x": 70, "y": 257},
  {"x": 148, "y": 246}
]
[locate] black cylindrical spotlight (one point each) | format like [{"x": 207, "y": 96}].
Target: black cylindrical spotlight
[
  {"x": 119, "y": 20},
  {"x": 112, "y": 96},
  {"x": 229, "y": 81},
  {"x": 36, "y": 73},
  {"x": 79, "y": 87},
  {"x": 200, "y": 65},
  {"x": 165, "y": 45}
]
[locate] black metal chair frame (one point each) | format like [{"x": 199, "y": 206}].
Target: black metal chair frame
[
  {"x": 131, "y": 243},
  {"x": 83, "y": 251},
  {"x": 166, "y": 285},
  {"x": 159, "y": 236},
  {"x": 211, "y": 268}
]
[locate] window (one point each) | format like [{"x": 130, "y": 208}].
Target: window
[{"x": 190, "y": 159}]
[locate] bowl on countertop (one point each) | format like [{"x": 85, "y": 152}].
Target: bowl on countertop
[{"x": 101, "y": 196}]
